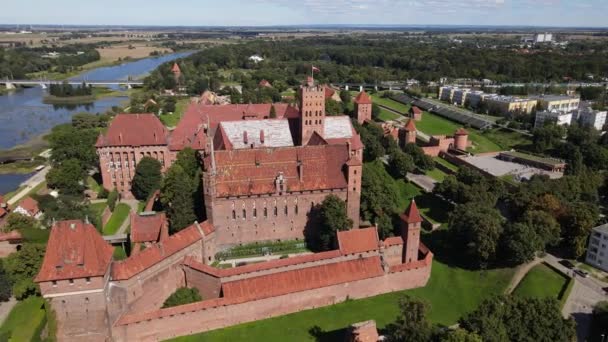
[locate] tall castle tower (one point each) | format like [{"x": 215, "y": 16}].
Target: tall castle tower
[
  {"x": 363, "y": 107},
  {"x": 411, "y": 222},
  {"x": 312, "y": 110}
]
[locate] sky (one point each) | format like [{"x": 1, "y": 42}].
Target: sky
[{"x": 303, "y": 12}]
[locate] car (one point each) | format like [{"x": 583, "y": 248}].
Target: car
[
  {"x": 581, "y": 273},
  {"x": 567, "y": 263}
]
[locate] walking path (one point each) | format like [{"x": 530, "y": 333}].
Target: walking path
[
  {"x": 5, "y": 309},
  {"x": 520, "y": 273},
  {"x": 30, "y": 184},
  {"x": 125, "y": 224},
  {"x": 425, "y": 182},
  {"x": 269, "y": 257}
]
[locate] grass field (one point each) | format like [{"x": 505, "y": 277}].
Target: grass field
[
  {"x": 24, "y": 321},
  {"x": 171, "y": 120},
  {"x": 446, "y": 163},
  {"x": 400, "y": 107},
  {"x": 542, "y": 282},
  {"x": 386, "y": 115},
  {"x": 120, "y": 214},
  {"x": 451, "y": 292},
  {"x": 436, "y": 174},
  {"x": 97, "y": 210}
]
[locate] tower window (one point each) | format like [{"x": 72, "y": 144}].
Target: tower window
[
  {"x": 276, "y": 211},
  {"x": 265, "y": 212},
  {"x": 244, "y": 214},
  {"x": 255, "y": 213},
  {"x": 234, "y": 214},
  {"x": 286, "y": 211}
]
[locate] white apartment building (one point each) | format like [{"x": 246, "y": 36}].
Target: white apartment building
[
  {"x": 591, "y": 117},
  {"x": 558, "y": 102},
  {"x": 558, "y": 117},
  {"x": 597, "y": 250}
]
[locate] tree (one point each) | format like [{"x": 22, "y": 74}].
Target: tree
[
  {"x": 345, "y": 97},
  {"x": 412, "y": 324},
  {"x": 332, "y": 107},
  {"x": 520, "y": 243},
  {"x": 67, "y": 142},
  {"x": 576, "y": 227},
  {"x": 459, "y": 335},
  {"x": 16, "y": 221},
  {"x": 376, "y": 111},
  {"x": 599, "y": 322},
  {"x": 147, "y": 178},
  {"x": 400, "y": 164},
  {"x": 67, "y": 177},
  {"x": 547, "y": 137},
  {"x": 112, "y": 198},
  {"x": 188, "y": 160},
  {"x": 378, "y": 192},
  {"x": 181, "y": 296},
  {"x": 421, "y": 160},
  {"x": 169, "y": 104},
  {"x": 273, "y": 112},
  {"x": 515, "y": 318},
  {"x": 477, "y": 228},
  {"x": 385, "y": 226},
  {"x": 177, "y": 196},
  {"x": 6, "y": 290},
  {"x": 333, "y": 218},
  {"x": 21, "y": 268}
]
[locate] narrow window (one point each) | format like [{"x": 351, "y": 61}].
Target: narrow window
[
  {"x": 286, "y": 211},
  {"x": 276, "y": 211},
  {"x": 234, "y": 214},
  {"x": 265, "y": 212},
  {"x": 255, "y": 213},
  {"x": 296, "y": 209},
  {"x": 244, "y": 214}
]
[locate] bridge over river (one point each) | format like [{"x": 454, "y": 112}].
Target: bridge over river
[{"x": 11, "y": 84}]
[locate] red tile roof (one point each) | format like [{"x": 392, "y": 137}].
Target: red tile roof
[
  {"x": 253, "y": 172},
  {"x": 416, "y": 110},
  {"x": 329, "y": 92},
  {"x": 2, "y": 201},
  {"x": 393, "y": 241},
  {"x": 190, "y": 130},
  {"x": 175, "y": 69},
  {"x": 265, "y": 83},
  {"x": 134, "y": 130},
  {"x": 412, "y": 215},
  {"x": 11, "y": 236},
  {"x": 358, "y": 240},
  {"x": 152, "y": 255},
  {"x": 147, "y": 227},
  {"x": 461, "y": 131},
  {"x": 276, "y": 284},
  {"x": 363, "y": 98},
  {"x": 2, "y": 212},
  {"x": 410, "y": 126},
  {"x": 30, "y": 205},
  {"x": 75, "y": 250}
]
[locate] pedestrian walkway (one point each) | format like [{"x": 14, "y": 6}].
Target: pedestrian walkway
[
  {"x": 520, "y": 273},
  {"x": 423, "y": 181},
  {"x": 29, "y": 184},
  {"x": 125, "y": 224},
  {"x": 5, "y": 309}
]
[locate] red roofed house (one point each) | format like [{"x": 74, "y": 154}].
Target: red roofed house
[
  {"x": 261, "y": 175},
  {"x": 363, "y": 107},
  {"x": 264, "y": 84},
  {"x": 28, "y": 207},
  {"x": 148, "y": 228},
  {"x": 415, "y": 113},
  {"x": 98, "y": 299},
  {"x": 9, "y": 242},
  {"x": 3, "y": 207}
]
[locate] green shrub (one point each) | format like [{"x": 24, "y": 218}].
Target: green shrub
[
  {"x": 182, "y": 296},
  {"x": 112, "y": 198},
  {"x": 103, "y": 193}
]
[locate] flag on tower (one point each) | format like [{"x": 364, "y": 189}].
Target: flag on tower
[{"x": 314, "y": 68}]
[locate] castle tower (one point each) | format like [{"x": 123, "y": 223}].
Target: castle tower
[
  {"x": 363, "y": 107},
  {"x": 354, "y": 169},
  {"x": 177, "y": 73},
  {"x": 312, "y": 110},
  {"x": 410, "y": 132},
  {"x": 411, "y": 222},
  {"x": 461, "y": 139}
]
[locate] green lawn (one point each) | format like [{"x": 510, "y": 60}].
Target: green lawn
[
  {"x": 24, "y": 321},
  {"x": 451, "y": 292},
  {"x": 446, "y": 163},
  {"x": 436, "y": 174},
  {"x": 386, "y": 115},
  {"x": 93, "y": 185},
  {"x": 171, "y": 120},
  {"x": 507, "y": 139},
  {"x": 120, "y": 214},
  {"x": 398, "y": 106},
  {"x": 119, "y": 253},
  {"x": 541, "y": 282}
]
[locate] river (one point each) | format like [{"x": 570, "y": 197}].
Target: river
[{"x": 23, "y": 115}]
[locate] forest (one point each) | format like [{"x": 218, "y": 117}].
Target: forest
[
  {"x": 372, "y": 58},
  {"x": 19, "y": 62}
]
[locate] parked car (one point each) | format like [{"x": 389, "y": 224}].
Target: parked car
[
  {"x": 567, "y": 263},
  {"x": 581, "y": 273}
]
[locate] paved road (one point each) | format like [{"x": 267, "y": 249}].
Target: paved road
[
  {"x": 29, "y": 184},
  {"x": 125, "y": 224},
  {"x": 425, "y": 182},
  {"x": 586, "y": 292}
]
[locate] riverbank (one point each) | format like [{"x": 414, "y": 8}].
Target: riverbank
[{"x": 23, "y": 156}]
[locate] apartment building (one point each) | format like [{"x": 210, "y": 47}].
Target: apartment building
[
  {"x": 597, "y": 250},
  {"x": 558, "y": 117},
  {"x": 558, "y": 103},
  {"x": 505, "y": 105},
  {"x": 592, "y": 117}
]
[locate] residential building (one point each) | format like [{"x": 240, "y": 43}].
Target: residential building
[
  {"x": 594, "y": 118},
  {"x": 446, "y": 93},
  {"x": 510, "y": 105},
  {"x": 597, "y": 250},
  {"x": 29, "y": 207},
  {"x": 558, "y": 103},
  {"x": 559, "y": 118},
  {"x": 543, "y": 37}
]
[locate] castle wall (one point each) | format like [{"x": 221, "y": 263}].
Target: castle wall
[
  {"x": 155, "y": 329},
  {"x": 393, "y": 254},
  {"x": 236, "y": 222},
  {"x": 209, "y": 286},
  {"x": 117, "y": 164}
]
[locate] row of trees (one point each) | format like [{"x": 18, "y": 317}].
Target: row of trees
[
  {"x": 498, "y": 319},
  {"x": 67, "y": 90},
  {"x": 19, "y": 62}
]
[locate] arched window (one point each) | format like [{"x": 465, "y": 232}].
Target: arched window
[
  {"x": 244, "y": 214},
  {"x": 276, "y": 211}
]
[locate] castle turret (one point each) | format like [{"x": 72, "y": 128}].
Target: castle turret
[
  {"x": 461, "y": 139},
  {"x": 363, "y": 107},
  {"x": 312, "y": 110},
  {"x": 411, "y": 223},
  {"x": 409, "y": 133}
]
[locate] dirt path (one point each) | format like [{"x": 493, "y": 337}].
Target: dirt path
[{"x": 520, "y": 273}]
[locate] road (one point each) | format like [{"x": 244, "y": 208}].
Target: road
[
  {"x": 425, "y": 182},
  {"x": 586, "y": 292},
  {"x": 30, "y": 184}
]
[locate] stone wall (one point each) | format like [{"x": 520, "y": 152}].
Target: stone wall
[
  {"x": 190, "y": 322},
  {"x": 245, "y": 220},
  {"x": 209, "y": 286}
]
